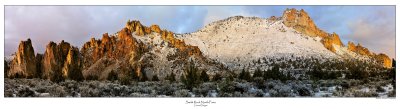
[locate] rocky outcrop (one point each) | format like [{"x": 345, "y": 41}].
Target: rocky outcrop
[
  {"x": 301, "y": 21},
  {"x": 123, "y": 53},
  {"x": 112, "y": 49},
  {"x": 329, "y": 41},
  {"x": 24, "y": 63},
  {"x": 351, "y": 46},
  {"x": 155, "y": 28},
  {"x": 168, "y": 36},
  {"x": 135, "y": 26},
  {"x": 358, "y": 49},
  {"x": 336, "y": 39},
  {"x": 384, "y": 59},
  {"x": 60, "y": 61},
  {"x": 187, "y": 50},
  {"x": 72, "y": 68}
]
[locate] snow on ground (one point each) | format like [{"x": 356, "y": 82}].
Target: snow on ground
[
  {"x": 250, "y": 38},
  {"x": 159, "y": 52},
  {"x": 343, "y": 51}
]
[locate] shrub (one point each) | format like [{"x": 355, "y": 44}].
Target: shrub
[
  {"x": 125, "y": 80},
  {"x": 171, "y": 77},
  {"x": 134, "y": 76},
  {"x": 259, "y": 81},
  {"x": 204, "y": 76},
  {"x": 26, "y": 92},
  {"x": 356, "y": 73},
  {"x": 227, "y": 87},
  {"x": 275, "y": 74},
  {"x": 258, "y": 73},
  {"x": 182, "y": 93},
  {"x": 191, "y": 77},
  {"x": 75, "y": 74},
  {"x": 144, "y": 76},
  {"x": 380, "y": 89},
  {"x": 57, "y": 77},
  {"x": 112, "y": 76},
  {"x": 217, "y": 77},
  {"x": 92, "y": 77},
  {"x": 245, "y": 75},
  {"x": 303, "y": 91},
  {"x": 155, "y": 78},
  {"x": 5, "y": 69}
]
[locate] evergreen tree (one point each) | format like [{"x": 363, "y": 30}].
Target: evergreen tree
[
  {"x": 204, "y": 76},
  {"x": 257, "y": 73},
  {"x": 191, "y": 77},
  {"x": 5, "y": 69},
  {"x": 112, "y": 76},
  {"x": 217, "y": 77},
  {"x": 171, "y": 77},
  {"x": 155, "y": 78},
  {"x": 134, "y": 76},
  {"x": 245, "y": 75},
  {"x": 57, "y": 77},
  {"x": 144, "y": 76}
]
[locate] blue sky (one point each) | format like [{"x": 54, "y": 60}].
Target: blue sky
[{"x": 372, "y": 26}]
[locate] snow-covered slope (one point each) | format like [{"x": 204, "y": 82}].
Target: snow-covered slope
[{"x": 243, "y": 39}]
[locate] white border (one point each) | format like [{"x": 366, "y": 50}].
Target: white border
[{"x": 178, "y": 103}]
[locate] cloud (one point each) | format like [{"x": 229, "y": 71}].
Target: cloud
[{"x": 376, "y": 31}]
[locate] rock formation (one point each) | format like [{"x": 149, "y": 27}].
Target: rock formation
[
  {"x": 358, "y": 49},
  {"x": 120, "y": 48},
  {"x": 138, "y": 28},
  {"x": 300, "y": 21},
  {"x": 24, "y": 62},
  {"x": 72, "y": 68},
  {"x": 122, "y": 52},
  {"x": 61, "y": 60},
  {"x": 384, "y": 59}
]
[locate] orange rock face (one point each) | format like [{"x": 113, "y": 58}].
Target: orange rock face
[
  {"x": 384, "y": 59},
  {"x": 60, "y": 59},
  {"x": 380, "y": 58},
  {"x": 165, "y": 35},
  {"x": 24, "y": 63},
  {"x": 72, "y": 68},
  {"x": 155, "y": 28},
  {"x": 121, "y": 48},
  {"x": 358, "y": 49},
  {"x": 301, "y": 22}
]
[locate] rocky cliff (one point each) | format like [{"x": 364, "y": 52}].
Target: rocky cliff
[
  {"x": 302, "y": 22},
  {"x": 363, "y": 51},
  {"x": 123, "y": 52},
  {"x": 60, "y": 61},
  {"x": 24, "y": 63}
]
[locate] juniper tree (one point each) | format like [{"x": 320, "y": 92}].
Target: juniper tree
[
  {"x": 204, "y": 76},
  {"x": 191, "y": 77}
]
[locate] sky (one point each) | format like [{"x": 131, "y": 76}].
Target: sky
[{"x": 372, "y": 26}]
